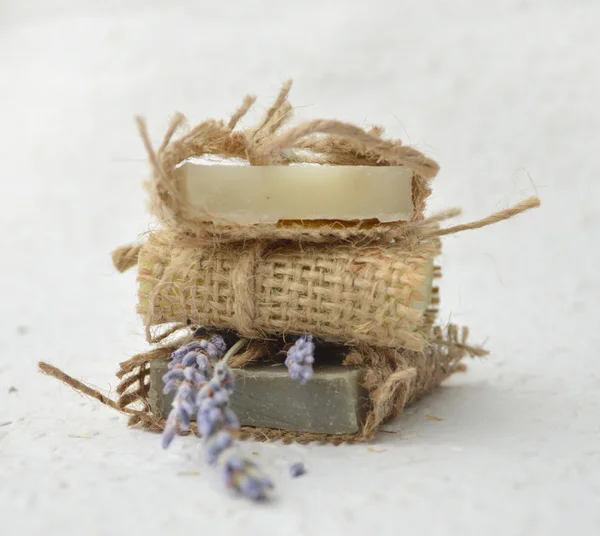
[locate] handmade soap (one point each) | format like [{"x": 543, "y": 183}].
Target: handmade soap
[
  {"x": 333, "y": 402},
  {"x": 267, "y": 194}
]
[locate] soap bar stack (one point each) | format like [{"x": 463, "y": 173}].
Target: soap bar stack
[
  {"x": 269, "y": 233},
  {"x": 341, "y": 292}
]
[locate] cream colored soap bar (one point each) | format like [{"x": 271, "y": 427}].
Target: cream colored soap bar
[{"x": 267, "y": 194}]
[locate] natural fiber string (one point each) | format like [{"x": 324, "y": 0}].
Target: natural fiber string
[
  {"x": 126, "y": 257},
  {"x": 523, "y": 206},
  {"x": 243, "y": 280},
  {"x": 264, "y": 145},
  {"x": 384, "y": 395},
  {"x": 81, "y": 387}
]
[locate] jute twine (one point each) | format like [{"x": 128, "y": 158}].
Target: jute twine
[
  {"x": 320, "y": 141},
  {"x": 354, "y": 284}
]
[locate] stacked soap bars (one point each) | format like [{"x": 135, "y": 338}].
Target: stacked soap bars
[{"x": 358, "y": 278}]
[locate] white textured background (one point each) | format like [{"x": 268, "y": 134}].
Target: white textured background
[{"x": 504, "y": 94}]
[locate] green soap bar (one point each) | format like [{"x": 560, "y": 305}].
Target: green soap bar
[{"x": 333, "y": 402}]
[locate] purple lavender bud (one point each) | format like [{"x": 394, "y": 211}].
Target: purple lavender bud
[
  {"x": 178, "y": 354},
  {"x": 230, "y": 418},
  {"x": 221, "y": 372},
  {"x": 224, "y": 376},
  {"x": 219, "y": 342},
  {"x": 207, "y": 423},
  {"x": 221, "y": 398},
  {"x": 244, "y": 477},
  {"x": 185, "y": 391},
  {"x": 300, "y": 359},
  {"x": 170, "y": 386},
  {"x": 189, "y": 359},
  {"x": 306, "y": 375},
  {"x": 183, "y": 404},
  {"x": 176, "y": 374},
  {"x": 297, "y": 469},
  {"x": 188, "y": 373},
  {"x": 170, "y": 429},
  {"x": 206, "y": 391},
  {"x": 235, "y": 463},
  {"x": 231, "y": 464},
  {"x": 173, "y": 379},
  {"x": 294, "y": 369},
  {"x": 202, "y": 363},
  {"x": 300, "y": 373},
  {"x": 186, "y": 409},
  {"x": 194, "y": 376},
  {"x": 252, "y": 488},
  {"x": 215, "y": 446},
  {"x": 182, "y": 417},
  {"x": 175, "y": 363},
  {"x": 215, "y": 347},
  {"x": 209, "y": 418}
]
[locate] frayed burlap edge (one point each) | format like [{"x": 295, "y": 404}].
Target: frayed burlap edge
[
  {"x": 394, "y": 378},
  {"x": 126, "y": 257},
  {"x": 320, "y": 141}
]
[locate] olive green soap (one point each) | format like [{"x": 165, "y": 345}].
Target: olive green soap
[{"x": 333, "y": 402}]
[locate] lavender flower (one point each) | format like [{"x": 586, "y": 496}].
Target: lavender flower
[
  {"x": 170, "y": 430},
  {"x": 209, "y": 417},
  {"x": 181, "y": 413},
  {"x": 297, "y": 469},
  {"x": 215, "y": 422},
  {"x": 224, "y": 376},
  {"x": 219, "y": 343},
  {"x": 187, "y": 373},
  {"x": 243, "y": 476},
  {"x": 300, "y": 359},
  {"x": 213, "y": 411},
  {"x": 214, "y": 347},
  {"x": 209, "y": 400}
]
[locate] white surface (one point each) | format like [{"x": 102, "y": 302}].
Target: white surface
[{"x": 504, "y": 95}]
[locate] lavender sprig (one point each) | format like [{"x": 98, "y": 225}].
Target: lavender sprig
[
  {"x": 216, "y": 421},
  {"x": 188, "y": 370},
  {"x": 209, "y": 400},
  {"x": 300, "y": 359}
]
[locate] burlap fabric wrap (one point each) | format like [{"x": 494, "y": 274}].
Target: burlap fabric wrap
[{"x": 352, "y": 283}]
